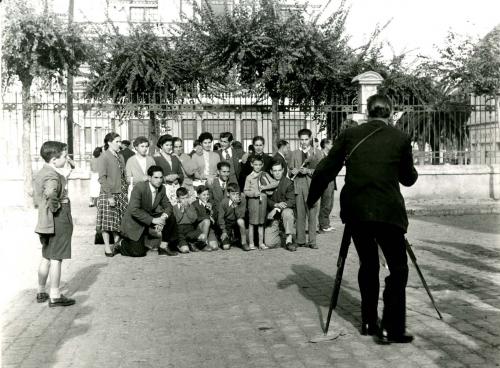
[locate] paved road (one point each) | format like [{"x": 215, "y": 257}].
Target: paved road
[{"x": 259, "y": 309}]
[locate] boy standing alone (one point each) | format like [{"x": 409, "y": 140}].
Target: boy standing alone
[{"x": 55, "y": 224}]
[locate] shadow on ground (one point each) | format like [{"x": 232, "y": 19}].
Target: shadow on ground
[
  {"x": 488, "y": 224},
  {"x": 58, "y": 326},
  {"x": 317, "y": 286}
]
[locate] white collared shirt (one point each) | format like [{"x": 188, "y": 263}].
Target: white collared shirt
[
  {"x": 223, "y": 184},
  {"x": 227, "y": 153},
  {"x": 154, "y": 192},
  {"x": 306, "y": 151}
]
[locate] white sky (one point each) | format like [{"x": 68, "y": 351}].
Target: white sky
[{"x": 419, "y": 24}]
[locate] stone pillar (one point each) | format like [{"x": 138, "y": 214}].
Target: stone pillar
[{"x": 368, "y": 84}]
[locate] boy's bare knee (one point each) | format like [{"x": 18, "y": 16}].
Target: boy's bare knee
[{"x": 240, "y": 222}]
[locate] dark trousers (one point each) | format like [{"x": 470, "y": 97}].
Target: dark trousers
[
  {"x": 131, "y": 248},
  {"x": 188, "y": 233},
  {"x": 326, "y": 206},
  {"x": 366, "y": 237}
]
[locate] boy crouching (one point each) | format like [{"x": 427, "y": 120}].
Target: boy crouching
[
  {"x": 231, "y": 218},
  {"x": 191, "y": 238}
]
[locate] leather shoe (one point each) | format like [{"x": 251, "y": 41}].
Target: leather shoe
[
  {"x": 370, "y": 329},
  {"x": 184, "y": 249},
  {"x": 42, "y": 297},
  {"x": 385, "y": 338},
  {"x": 291, "y": 247},
  {"x": 313, "y": 246},
  {"x": 245, "y": 247},
  {"x": 167, "y": 252},
  {"x": 62, "y": 301}
]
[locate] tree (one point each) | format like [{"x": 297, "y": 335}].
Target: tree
[
  {"x": 438, "y": 90},
  {"x": 142, "y": 72},
  {"x": 273, "y": 51},
  {"x": 37, "y": 46}
]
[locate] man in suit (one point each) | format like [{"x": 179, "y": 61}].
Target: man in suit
[
  {"x": 281, "y": 204},
  {"x": 373, "y": 209},
  {"x": 125, "y": 151},
  {"x": 281, "y": 155},
  {"x": 218, "y": 187},
  {"x": 149, "y": 213},
  {"x": 326, "y": 205},
  {"x": 230, "y": 154},
  {"x": 301, "y": 167}
]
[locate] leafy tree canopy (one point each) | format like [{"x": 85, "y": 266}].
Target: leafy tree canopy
[{"x": 36, "y": 45}]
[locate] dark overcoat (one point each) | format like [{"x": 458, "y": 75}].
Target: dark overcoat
[{"x": 373, "y": 173}]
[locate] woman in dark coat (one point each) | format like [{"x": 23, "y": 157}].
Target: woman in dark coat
[{"x": 172, "y": 167}]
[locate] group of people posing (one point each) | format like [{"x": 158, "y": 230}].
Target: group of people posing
[
  {"x": 205, "y": 201},
  {"x": 208, "y": 200}
]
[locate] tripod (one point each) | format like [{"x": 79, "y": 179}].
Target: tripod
[{"x": 344, "y": 248}]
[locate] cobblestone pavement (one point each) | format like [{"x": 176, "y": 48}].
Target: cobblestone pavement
[{"x": 258, "y": 309}]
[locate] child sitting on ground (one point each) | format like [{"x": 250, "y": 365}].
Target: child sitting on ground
[
  {"x": 231, "y": 218},
  {"x": 189, "y": 233}
]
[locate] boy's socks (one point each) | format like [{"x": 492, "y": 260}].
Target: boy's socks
[
  {"x": 55, "y": 293},
  {"x": 41, "y": 289}
]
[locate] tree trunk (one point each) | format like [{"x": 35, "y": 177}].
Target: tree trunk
[
  {"x": 26, "y": 146},
  {"x": 153, "y": 134},
  {"x": 275, "y": 124},
  {"x": 69, "y": 118},
  {"x": 69, "y": 94}
]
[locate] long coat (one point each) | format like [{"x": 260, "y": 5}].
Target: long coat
[
  {"x": 373, "y": 174},
  {"x": 141, "y": 210}
]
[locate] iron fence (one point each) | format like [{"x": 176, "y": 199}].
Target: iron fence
[{"x": 464, "y": 131}]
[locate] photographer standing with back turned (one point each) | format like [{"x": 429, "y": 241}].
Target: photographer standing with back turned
[{"x": 378, "y": 157}]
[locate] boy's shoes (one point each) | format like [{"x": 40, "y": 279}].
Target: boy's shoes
[
  {"x": 245, "y": 247},
  {"x": 206, "y": 248},
  {"x": 196, "y": 246},
  {"x": 226, "y": 246},
  {"x": 184, "y": 249},
  {"x": 251, "y": 247},
  {"x": 313, "y": 246},
  {"x": 42, "y": 297},
  {"x": 62, "y": 301},
  {"x": 291, "y": 246},
  {"x": 167, "y": 252}
]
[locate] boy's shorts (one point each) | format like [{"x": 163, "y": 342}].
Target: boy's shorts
[
  {"x": 58, "y": 245},
  {"x": 188, "y": 233}
]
